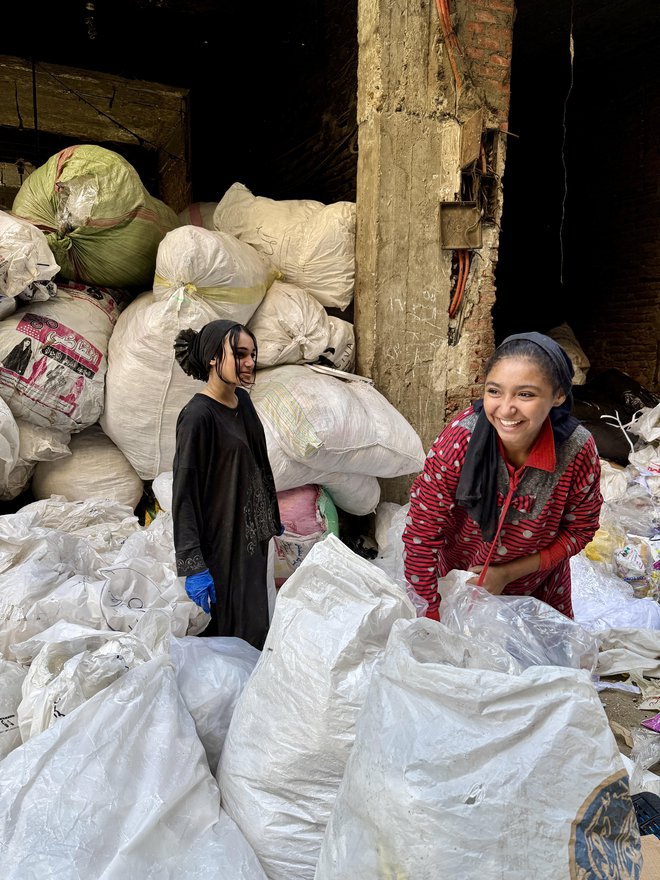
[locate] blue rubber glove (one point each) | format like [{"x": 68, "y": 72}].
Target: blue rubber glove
[{"x": 200, "y": 589}]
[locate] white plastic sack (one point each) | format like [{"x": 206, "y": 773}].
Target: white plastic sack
[
  {"x": 628, "y": 649},
  {"x": 211, "y": 674},
  {"x": 146, "y": 389},
  {"x": 647, "y": 425},
  {"x": 198, "y": 214},
  {"x": 64, "y": 674},
  {"x": 341, "y": 345},
  {"x": 162, "y": 488},
  {"x": 566, "y": 338},
  {"x": 602, "y": 600},
  {"x": 613, "y": 482},
  {"x": 11, "y": 681},
  {"x": 119, "y": 789},
  {"x": 291, "y": 327},
  {"x": 531, "y": 631},
  {"x": 311, "y": 243},
  {"x": 96, "y": 468},
  {"x": 355, "y": 493},
  {"x": 334, "y": 425},
  {"x": 228, "y": 275},
  {"x": 470, "y": 773},
  {"x": 25, "y": 257},
  {"x": 53, "y": 357},
  {"x": 293, "y": 727},
  {"x": 34, "y": 444}
]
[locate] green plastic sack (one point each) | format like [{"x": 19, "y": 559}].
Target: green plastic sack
[{"x": 101, "y": 224}]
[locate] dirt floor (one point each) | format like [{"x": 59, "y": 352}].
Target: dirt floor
[{"x": 624, "y": 716}]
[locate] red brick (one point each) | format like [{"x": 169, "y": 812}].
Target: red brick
[
  {"x": 500, "y": 60},
  {"x": 485, "y": 15}
]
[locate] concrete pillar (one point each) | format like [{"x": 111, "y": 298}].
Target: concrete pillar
[
  {"x": 406, "y": 143},
  {"x": 409, "y": 124}
]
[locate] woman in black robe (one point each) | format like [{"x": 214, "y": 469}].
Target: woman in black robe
[{"x": 224, "y": 503}]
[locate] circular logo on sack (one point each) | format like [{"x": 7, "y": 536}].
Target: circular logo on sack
[{"x": 605, "y": 836}]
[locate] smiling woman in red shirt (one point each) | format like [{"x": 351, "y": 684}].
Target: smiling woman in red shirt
[{"x": 511, "y": 488}]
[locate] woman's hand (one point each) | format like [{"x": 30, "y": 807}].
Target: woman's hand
[{"x": 497, "y": 578}]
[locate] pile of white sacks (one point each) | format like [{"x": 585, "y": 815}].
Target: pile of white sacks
[
  {"x": 362, "y": 741},
  {"x": 88, "y": 374}
]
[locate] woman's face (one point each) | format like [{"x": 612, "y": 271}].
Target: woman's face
[
  {"x": 245, "y": 355},
  {"x": 517, "y": 400}
]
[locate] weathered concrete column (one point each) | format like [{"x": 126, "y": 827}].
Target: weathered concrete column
[
  {"x": 409, "y": 161},
  {"x": 405, "y": 168}
]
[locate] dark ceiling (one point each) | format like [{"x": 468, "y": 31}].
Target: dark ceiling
[{"x": 261, "y": 76}]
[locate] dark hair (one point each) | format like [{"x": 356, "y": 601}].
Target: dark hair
[
  {"x": 234, "y": 334},
  {"x": 523, "y": 348}
]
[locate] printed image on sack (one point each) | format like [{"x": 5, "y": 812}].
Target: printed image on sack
[
  {"x": 604, "y": 839},
  {"x": 53, "y": 358}
]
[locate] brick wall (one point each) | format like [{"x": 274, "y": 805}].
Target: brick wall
[
  {"x": 484, "y": 30},
  {"x": 619, "y": 276}
]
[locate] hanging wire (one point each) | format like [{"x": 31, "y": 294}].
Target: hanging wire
[{"x": 571, "y": 46}]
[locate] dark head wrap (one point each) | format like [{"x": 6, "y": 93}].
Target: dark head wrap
[
  {"x": 195, "y": 350},
  {"x": 477, "y": 486}
]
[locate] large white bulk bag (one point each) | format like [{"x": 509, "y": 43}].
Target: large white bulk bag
[
  {"x": 462, "y": 771},
  {"x": 229, "y": 275},
  {"x": 198, "y": 214},
  {"x": 293, "y": 727},
  {"x": 53, "y": 356},
  {"x": 355, "y": 493},
  {"x": 119, "y": 789},
  {"x": 146, "y": 389},
  {"x": 11, "y": 682},
  {"x": 312, "y": 244},
  {"x": 96, "y": 468},
  {"x": 291, "y": 327},
  {"x": 25, "y": 258},
  {"x": 334, "y": 425}
]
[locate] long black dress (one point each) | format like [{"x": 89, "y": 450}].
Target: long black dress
[{"x": 225, "y": 510}]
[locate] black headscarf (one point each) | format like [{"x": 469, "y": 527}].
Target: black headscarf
[
  {"x": 195, "y": 350},
  {"x": 477, "y": 486}
]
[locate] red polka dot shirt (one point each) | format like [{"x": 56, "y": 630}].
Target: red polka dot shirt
[{"x": 549, "y": 506}]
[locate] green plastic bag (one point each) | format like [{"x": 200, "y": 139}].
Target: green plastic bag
[{"x": 101, "y": 224}]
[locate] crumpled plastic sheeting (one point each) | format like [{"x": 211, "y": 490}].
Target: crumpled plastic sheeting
[
  {"x": 142, "y": 576},
  {"x": 66, "y": 673},
  {"x": 470, "y": 773},
  {"x": 87, "y": 561},
  {"x": 11, "y": 681},
  {"x": 293, "y": 727},
  {"x": 628, "y": 650},
  {"x": 532, "y": 632},
  {"x": 119, "y": 790},
  {"x": 602, "y": 600},
  {"x": 211, "y": 674}
]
